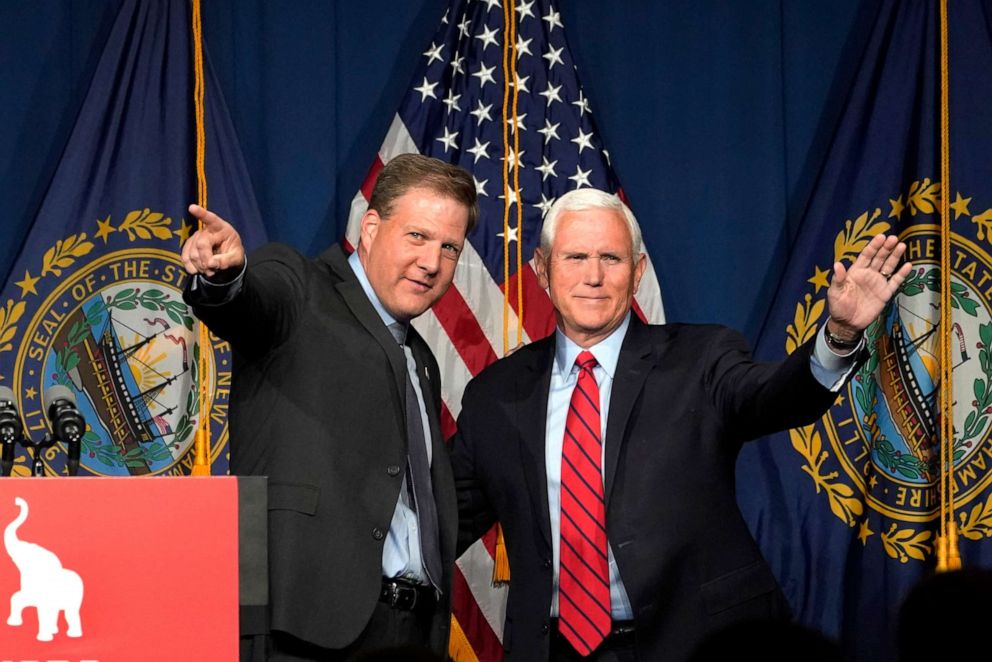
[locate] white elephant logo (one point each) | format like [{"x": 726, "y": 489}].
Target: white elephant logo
[{"x": 45, "y": 584}]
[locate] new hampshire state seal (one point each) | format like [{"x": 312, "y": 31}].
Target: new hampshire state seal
[
  {"x": 104, "y": 316},
  {"x": 875, "y": 454}
]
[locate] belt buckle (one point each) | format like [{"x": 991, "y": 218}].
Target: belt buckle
[
  {"x": 396, "y": 592},
  {"x": 401, "y": 597},
  {"x": 412, "y": 592}
]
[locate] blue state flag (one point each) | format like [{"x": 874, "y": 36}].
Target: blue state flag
[
  {"x": 93, "y": 301},
  {"x": 847, "y": 510}
]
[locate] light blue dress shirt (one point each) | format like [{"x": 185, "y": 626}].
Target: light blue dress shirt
[{"x": 829, "y": 369}]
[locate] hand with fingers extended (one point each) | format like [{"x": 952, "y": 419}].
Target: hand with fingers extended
[
  {"x": 858, "y": 293},
  {"x": 214, "y": 248}
]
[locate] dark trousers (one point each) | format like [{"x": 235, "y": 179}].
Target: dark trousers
[{"x": 388, "y": 628}]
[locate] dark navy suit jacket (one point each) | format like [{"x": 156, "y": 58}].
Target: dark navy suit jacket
[{"x": 684, "y": 399}]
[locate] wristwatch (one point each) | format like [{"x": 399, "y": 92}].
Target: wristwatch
[{"x": 838, "y": 343}]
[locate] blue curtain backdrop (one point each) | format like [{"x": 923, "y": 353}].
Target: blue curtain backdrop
[
  {"x": 717, "y": 116},
  {"x": 709, "y": 110}
]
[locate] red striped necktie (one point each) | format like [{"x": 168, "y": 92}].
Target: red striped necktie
[{"x": 584, "y": 577}]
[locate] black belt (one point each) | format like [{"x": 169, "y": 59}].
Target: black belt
[{"x": 406, "y": 595}]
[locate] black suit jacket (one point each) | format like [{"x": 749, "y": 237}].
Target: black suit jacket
[
  {"x": 684, "y": 399},
  {"x": 318, "y": 406}
]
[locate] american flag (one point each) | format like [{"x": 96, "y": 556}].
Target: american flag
[{"x": 497, "y": 93}]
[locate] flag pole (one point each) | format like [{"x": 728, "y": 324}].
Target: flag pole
[
  {"x": 948, "y": 556},
  {"x": 501, "y": 561},
  {"x": 201, "y": 443}
]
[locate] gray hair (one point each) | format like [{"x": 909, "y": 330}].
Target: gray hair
[{"x": 581, "y": 200}]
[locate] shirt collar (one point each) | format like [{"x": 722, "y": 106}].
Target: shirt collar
[
  {"x": 606, "y": 351},
  {"x": 363, "y": 280}
]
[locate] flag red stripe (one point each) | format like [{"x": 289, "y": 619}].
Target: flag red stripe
[
  {"x": 474, "y": 624},
  {"x": 489, "y": 540},
  {"x": 370, "y": 178},
  {"x": 539, "y": 315},
  {"x": 458, "y": 321}
]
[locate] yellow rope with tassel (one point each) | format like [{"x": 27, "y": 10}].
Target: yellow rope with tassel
[
  {"x": 201, "y": 443},
  {"x": 501, "y": 562},
  {"x": 520, "y": 213},
  {"x": 948, "y": 556},
  {"x": 459, "y": 647},
  {"x": 509, "y": 68}
]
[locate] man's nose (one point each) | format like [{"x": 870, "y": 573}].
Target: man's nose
[
  {"x": 593, "y": 271},
  {"x": 429, "y": 258}
]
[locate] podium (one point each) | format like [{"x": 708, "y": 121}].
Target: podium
[{"x": 123, "y": 569}]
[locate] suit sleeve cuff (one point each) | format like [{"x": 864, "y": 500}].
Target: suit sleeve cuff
[{"x": 216, "y": 293}]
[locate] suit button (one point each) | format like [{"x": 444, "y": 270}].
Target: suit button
[
  {"x": 393, "y": 470},
  {"x": 547, "y": 563},
  {"x": 544, "y": 628},
  {"x": 378, "y": 533}
]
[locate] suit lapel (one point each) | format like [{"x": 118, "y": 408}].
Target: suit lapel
[
  {"x": 632, "y": 370},
  {"x": 354, "y": 297},
  {"x": 533, "y": 384},
  {"x": 441, "y": 477}
]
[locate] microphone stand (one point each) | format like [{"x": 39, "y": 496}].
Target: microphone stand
[
  {"x": 34, "y": 450},
  {"x": 9, "y": 441},
  {"x": 38, "y": 463},
  {"x": 68, "y": 426}
]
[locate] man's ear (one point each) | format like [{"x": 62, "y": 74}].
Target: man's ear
[
  {"x": 541, "y": 265},
  {"x": 369, "y": 227},
  {"x": 639, "y": 267}
]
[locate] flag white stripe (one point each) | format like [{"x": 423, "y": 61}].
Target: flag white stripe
[
  {"x": 476, "y": 566},
  {"x": 649, "y": 295}
]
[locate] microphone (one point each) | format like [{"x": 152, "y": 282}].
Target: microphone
[
  {"x": 67, "y": 423},
  {"x": 11, "y": 428}
]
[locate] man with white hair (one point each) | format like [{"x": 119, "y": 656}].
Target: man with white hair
[{"x": 607, "y": 450}]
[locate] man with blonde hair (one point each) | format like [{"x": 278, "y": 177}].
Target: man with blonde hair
[{"x": 336, "y": 398}]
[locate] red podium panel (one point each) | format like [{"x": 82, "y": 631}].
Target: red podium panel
[{"x": 126, "y": 569}]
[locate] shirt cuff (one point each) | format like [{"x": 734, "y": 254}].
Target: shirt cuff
[
  {"x": 830, "y": 368},
  {"x": 215, "y": 292}
]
